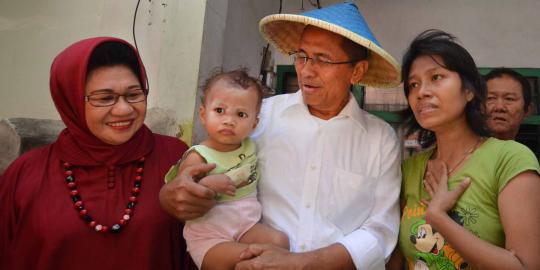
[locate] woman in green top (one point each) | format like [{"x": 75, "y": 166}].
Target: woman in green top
[{"x": 469, "y": 201}]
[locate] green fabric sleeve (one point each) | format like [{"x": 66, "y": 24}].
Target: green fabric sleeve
[{"x": 515, "y": 158}]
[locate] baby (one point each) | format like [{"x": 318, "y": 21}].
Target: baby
[{"x": 229, "y": 112}]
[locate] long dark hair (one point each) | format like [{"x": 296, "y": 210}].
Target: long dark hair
[{"x": 455, "y": 58}]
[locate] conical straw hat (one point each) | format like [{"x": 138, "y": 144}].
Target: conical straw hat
[{"x": 284, "y": 32}]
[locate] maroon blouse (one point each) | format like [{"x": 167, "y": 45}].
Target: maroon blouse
[{"x": 39, "y": 228}]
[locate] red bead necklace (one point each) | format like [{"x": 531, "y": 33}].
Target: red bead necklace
[{"x": 83, "y": 212}]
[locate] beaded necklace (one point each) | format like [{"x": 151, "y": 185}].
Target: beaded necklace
[{"x": 83, "y": 212}]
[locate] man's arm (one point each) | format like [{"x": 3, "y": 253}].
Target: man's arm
[
  {"x": 373, "y": 242},
  {"x": 185, "y": 199},
  {"x": 260, "y": 256}
]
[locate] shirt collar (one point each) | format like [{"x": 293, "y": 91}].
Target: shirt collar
[
  {"x": 351, "y": 110},
  {"x": 295, "y": 100}
]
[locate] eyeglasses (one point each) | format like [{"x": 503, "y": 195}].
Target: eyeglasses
[
  {"x": 301, "y": 58},
  {"x": 109, "y": 99}
]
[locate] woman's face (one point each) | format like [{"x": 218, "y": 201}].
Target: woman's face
[
  {"x": 435, "y": 94},
  {"x": 114, "y": 124}
]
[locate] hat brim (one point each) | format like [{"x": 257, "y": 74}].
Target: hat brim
[{"x": 284, "y": 31}]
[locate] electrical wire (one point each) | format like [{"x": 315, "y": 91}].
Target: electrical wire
[
  {"x": 135, "y": 39},
  {"x": 133, "y": 27}
]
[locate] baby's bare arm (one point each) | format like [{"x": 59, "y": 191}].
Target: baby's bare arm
[
  {"x": 264, "y": 234},
  {"x": 219, "y": 183},
  {"x": 192, "y": 158}
]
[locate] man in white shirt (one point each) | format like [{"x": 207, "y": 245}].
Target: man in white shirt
[{"x": 330, "y": 171}]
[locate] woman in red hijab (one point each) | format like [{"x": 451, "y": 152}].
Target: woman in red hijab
[{"x": 90, "y": 199}]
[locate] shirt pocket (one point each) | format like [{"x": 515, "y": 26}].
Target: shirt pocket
[{"x": 349, "y": 200}]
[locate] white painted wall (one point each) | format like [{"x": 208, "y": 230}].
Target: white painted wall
[
  {"x": 169, "y": 35},
  {"x": 178, "y": 63},
  {"x": 32, "y": 32}
]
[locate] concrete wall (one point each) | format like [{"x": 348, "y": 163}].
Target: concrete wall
[
  {"x": 169, "y": 35},
  {"x": 244, "y": 45},
  {"x": 211, "y": 61},
  {"x": 495, "y": 32}
]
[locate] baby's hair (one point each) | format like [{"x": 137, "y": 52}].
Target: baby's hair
[{"x": 238, "y": 78}]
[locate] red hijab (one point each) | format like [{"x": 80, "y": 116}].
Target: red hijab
[
  {"x": 76, "y": 144},
  {"x": 39, "y": 228}
]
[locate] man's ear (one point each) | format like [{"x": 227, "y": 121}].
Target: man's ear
[
  {"x": 360, "y": 69},
  {"x": 530, "y": 109}
]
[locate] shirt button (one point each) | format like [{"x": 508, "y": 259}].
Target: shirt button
[
  {"x": 110, "y": 184},
  {"x": 308, "y": 205},
  {"x": 313, "y": 167}
]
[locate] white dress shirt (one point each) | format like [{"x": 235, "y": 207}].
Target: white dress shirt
[{"x": 329, "y": 181}]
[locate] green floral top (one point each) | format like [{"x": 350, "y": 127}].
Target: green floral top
[{"x": 490, "y": 168}]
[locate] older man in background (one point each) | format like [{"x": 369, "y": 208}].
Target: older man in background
[{"x": 508, "y": 102}]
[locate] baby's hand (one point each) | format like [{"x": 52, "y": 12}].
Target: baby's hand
[{"x": 219, "y": 183}]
